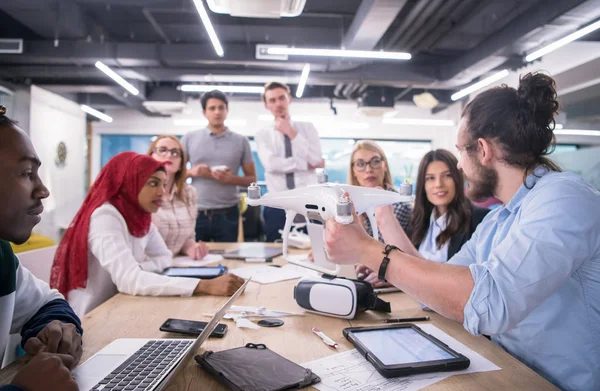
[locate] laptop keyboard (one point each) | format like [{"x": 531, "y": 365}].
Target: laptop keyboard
[{"x": 146, "y": 367}]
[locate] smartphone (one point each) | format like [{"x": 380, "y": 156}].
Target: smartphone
[{"x": 191, "y": 327}]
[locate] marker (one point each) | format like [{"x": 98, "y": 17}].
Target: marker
[
  {"x": 401, "y": 320},
  {"x": 330, "y": 342},
  {"x": 259, "y": 260}
]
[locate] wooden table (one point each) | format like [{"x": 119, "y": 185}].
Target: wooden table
[{"x": 126, "y": 316}]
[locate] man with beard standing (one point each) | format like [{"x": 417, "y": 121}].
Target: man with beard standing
[{"x": 530, "y": 275}]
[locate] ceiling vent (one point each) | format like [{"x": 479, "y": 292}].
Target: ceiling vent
[
  {"x": 165, "y": 100},
  {"x": 376, "y": 103},
  {"x": 257, "y": 8}
]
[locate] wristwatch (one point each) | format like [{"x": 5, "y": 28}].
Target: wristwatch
[{"x": 386, "y": 261}]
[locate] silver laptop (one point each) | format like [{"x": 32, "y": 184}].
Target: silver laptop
[{"x": 143, "y": 364}]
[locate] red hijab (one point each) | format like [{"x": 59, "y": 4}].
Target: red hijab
[{"x": 119, "y": 183}]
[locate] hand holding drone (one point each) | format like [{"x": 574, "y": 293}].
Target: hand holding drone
[{"x": 318, "y": 203}]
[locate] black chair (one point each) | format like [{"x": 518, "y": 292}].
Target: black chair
[{"x": 253, "y": 225}]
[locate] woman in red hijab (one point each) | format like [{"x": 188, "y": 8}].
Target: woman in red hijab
[{"x": 112, "y": 246}]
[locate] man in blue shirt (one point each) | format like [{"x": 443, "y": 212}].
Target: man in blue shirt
[{"x": 530, "y": 275}]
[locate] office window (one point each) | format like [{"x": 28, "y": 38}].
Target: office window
[{"x": 403, "y": 156}]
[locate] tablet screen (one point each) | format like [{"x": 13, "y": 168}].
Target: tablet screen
[
  {"x": 197, "y": 272},
  {"x": 401, "y": 346}
]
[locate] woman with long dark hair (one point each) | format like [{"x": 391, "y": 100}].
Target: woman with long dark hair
[{"x": 443, "y": 218}]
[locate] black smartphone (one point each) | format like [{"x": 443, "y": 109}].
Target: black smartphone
[{"x": 191, "y": 327}]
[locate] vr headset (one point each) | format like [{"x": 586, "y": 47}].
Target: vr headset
[{"x": 338, "y": 297}]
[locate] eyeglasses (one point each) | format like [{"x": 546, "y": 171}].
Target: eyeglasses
[
  {"x": 361, "y": 165},
  {"x": 164, "y": 151}
]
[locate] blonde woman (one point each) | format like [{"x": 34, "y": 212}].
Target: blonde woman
[
  {"x": 176, "y": 219},
  {"x": 369, "y": 168}
]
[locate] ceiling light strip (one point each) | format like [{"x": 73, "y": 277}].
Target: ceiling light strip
[
  {"x": 577, "y": 132},
  {"x": 381, "y": 55},
  {"x": 563, "y": 41},
  {"x": 208, "y": 87},
  {"x": 480, "y": 84},
  {"x": 209, "y": 27},
  {"x": 303, "y": 79},
  {"x": 96, "y": 113},
  {"x": 113, "y": 75}
]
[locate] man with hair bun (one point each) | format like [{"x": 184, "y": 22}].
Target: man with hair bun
[{"x": 530, "y": 275}]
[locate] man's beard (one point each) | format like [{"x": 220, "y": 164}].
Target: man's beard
[{"x": 484, "y": 182}]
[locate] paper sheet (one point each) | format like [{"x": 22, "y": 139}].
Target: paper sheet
[
  {"x": 349, "y": 371},
  {"x": 188, "y": 262},
  {"x": 271, "y": 274}
]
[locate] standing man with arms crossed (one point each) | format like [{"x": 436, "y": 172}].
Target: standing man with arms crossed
[
  {"x": 290, "y": 151},
  {"x": 211, "y": 147},
  {"x": 50, "y": 330}
]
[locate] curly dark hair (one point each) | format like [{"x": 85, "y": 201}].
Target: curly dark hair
[{"x": 520, "y": 121}]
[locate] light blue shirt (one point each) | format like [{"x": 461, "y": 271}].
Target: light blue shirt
[
  {"x": 536, "y": 267},
  {"x": 428, "y": 247}
]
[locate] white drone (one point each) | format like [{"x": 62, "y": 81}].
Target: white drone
[{"x": 318, "y": 203}]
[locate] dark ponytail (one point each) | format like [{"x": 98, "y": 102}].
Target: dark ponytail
[
  {"x": 520, "y": 120},
  {"x": 4, "y": 120}
]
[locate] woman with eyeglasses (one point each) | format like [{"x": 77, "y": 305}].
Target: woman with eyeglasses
[
  {"x": 176, "y": 219},
  {"x": 369, "y": 168},
  {"x": 443, "y": 218}
]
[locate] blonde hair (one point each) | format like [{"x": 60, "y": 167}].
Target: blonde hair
[
  {"x": 372, "y": 146},
  {"x": 181, "y": 174}
]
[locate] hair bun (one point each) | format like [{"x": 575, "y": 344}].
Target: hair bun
[
  {"x": 536, "y": 97},
  {"x": 2, "y": 111}
]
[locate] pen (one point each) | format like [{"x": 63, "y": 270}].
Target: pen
[
  {"x": 330, "y": 342},
  {"x": 400, "y": 320}
]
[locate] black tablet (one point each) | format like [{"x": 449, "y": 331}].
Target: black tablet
[
  {"x": 404, "y": 349},
  {"x": 254, "y": 250},
  {"x": 205, "y": 272}
]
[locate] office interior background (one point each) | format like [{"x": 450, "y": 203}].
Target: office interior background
[{"x": 50, "y": 53}]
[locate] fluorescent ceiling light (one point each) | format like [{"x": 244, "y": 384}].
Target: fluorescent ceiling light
[
  {"x": 303, "y": 79},
  {"x": 209, "y": 27},
  {"x": 261, "y": 79},
  {"x": 558, "y": 126},
  {"x": 96, "y": 113},
  {"x": 207, "y": 87},
  {"x": 577, "y": 132},
  {"x": 418, "y": 121},
  {"x": 113, "y": 75},
  {"x": 480, "y": 84},
  {"x": 563, "y": 41},
  {"x": 339, "y": 53},
  {"x": 204, "y": 122}
]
